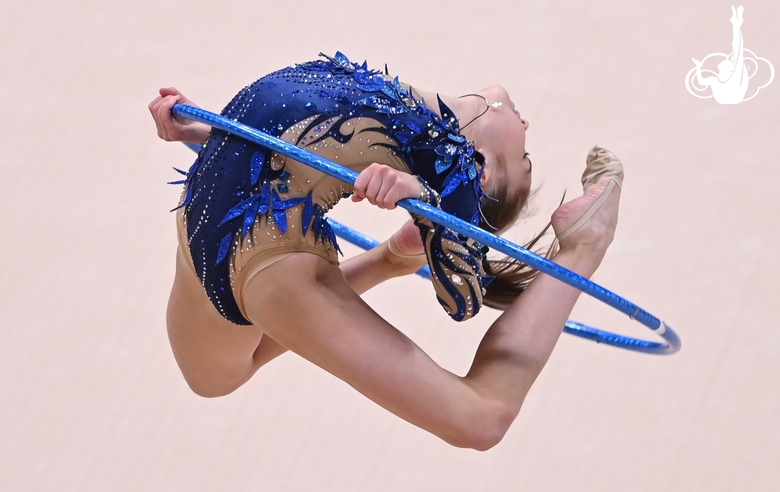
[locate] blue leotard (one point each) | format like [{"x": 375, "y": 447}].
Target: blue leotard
[{"x": 243, "y": 204}]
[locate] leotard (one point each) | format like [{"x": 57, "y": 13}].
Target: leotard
[{"x": 244, "y": 207}]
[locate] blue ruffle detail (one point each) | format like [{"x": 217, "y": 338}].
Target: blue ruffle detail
[
  {"x": 279, "y": 208},
  {"x": 238, "y": 210},
  {"x": 323, "y": 230},
  {"x": 224, "y": 248},
  {"x": 250, "y": 216},
  {"x": 187, "y": 182},
  {"x": 258, "y": 158},
  {"x": 265, "y": 196}
]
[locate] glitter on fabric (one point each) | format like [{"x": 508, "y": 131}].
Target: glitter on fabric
[{"x": 241, "y": 201}]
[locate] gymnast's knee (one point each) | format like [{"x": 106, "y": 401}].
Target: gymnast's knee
[
  {"x": 211, "y": 390},
  {"x": 213, "y": 385}
]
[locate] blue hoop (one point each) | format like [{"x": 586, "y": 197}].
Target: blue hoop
[{"x": 499, "y": 244}]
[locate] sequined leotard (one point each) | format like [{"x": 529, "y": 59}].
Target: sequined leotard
[{"x": 244, "y": 206}]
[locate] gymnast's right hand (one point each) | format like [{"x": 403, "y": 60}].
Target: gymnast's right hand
[
  {"x": 383, "y": 186},
  {"x": 170, "y": 128}
]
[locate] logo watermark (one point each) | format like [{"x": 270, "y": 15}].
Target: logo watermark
[{"x": 729, "y": 85}]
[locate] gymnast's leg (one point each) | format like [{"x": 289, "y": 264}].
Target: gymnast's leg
[
  {"x": 216, "y": 356},
  {"x": 306, "y": 305}
]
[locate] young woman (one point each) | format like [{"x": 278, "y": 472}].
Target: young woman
[{"x": 257, "y": 272}]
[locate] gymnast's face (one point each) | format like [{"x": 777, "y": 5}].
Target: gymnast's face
[{"x": 502, "y": 140}]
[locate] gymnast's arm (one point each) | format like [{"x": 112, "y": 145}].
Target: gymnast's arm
[
  {"x": 170, "y": 128},
  {"x": 361, "y": 272},
  {"x": 383, "y": 186},
  {"x": 373, "y": 267}
]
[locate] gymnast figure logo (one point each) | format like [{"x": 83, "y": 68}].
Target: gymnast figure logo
[{"x": 730, "y": 84}]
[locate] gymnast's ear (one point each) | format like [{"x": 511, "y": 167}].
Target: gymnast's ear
[{"x": 483, "y": 164}]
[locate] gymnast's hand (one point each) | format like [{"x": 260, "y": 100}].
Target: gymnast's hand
[
  {"x": 170, "y": 128},
  {"x": 383, "y": 186}
]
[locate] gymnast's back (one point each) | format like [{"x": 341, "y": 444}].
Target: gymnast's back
[{"x": 245, "y": 207}]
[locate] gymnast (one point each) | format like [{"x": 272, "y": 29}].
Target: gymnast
[{"x": 257, "y": 269}]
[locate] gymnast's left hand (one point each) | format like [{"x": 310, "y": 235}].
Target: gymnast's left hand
[
  {"x": 170, "y": 128},
  {"x": 384, "y": 186}
]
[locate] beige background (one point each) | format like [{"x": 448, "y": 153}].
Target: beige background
[{"x": 91, "y": 398}]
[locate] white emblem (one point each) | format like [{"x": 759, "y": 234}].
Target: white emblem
[{"x": 730, "y": 84}]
